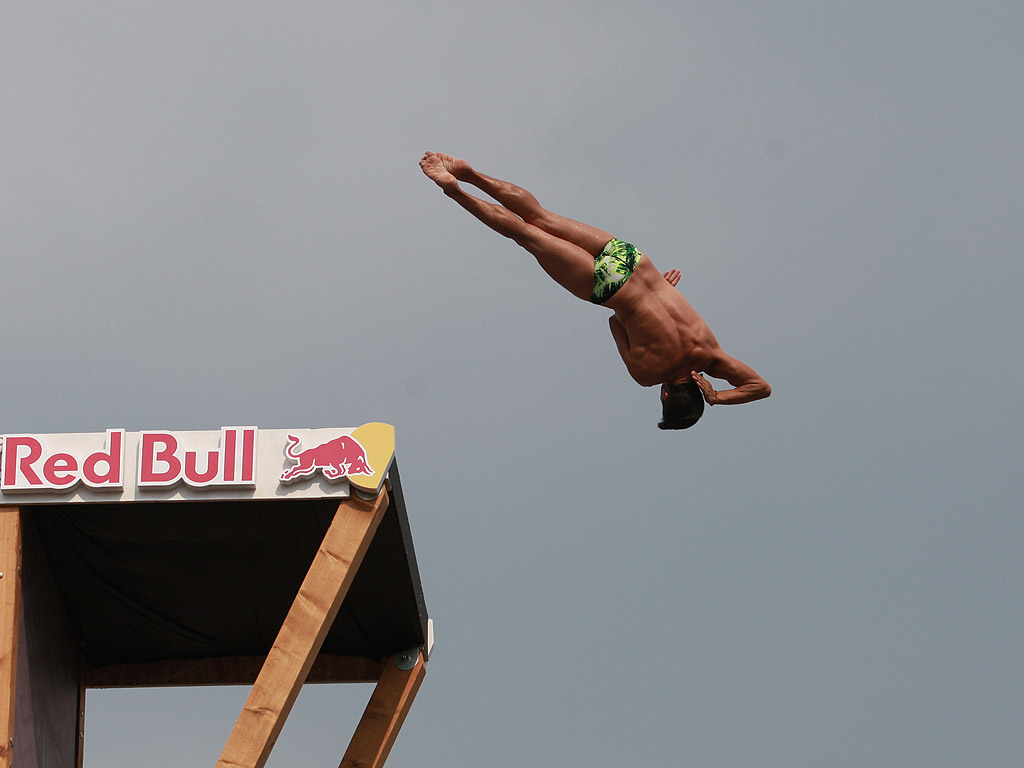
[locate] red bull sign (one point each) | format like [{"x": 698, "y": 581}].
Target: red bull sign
[{"x": 232, "y": 463}]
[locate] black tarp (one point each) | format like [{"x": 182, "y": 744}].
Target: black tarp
[{"x": 146, "y": 582}]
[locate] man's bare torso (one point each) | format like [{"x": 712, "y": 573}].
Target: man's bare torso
[
  {"x": 667, "y": 337},
  {"x": 662, "y": 340}
]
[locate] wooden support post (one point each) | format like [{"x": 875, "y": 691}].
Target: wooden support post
[
  {"x": 384, "y": 715},
  {"x": 303, "y": 632},
  {"x": 10, "y": 610},
  {"x": 80, "y": 742}
]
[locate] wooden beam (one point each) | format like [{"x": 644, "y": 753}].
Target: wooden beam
[
  {"x": 377, "y": 730},
  {"x": 229, "y": 670},
  {"x": 80, "y": 747},
  {"x": 303, "y": 632},
  {"x": 10, "y": 609}
]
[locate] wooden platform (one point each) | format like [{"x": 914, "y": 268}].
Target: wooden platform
[{"x": 269, "y": 593}]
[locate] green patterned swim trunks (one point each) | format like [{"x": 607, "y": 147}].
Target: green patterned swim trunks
[{"x": 612, "y": 268}]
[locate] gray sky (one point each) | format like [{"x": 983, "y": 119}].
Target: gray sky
[{"x": 213, "y": 216}]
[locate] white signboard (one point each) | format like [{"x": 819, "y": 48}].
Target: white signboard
[{"x": 163, "y": 465}]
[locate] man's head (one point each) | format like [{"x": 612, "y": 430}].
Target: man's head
[{"x": 682, "y": 405}]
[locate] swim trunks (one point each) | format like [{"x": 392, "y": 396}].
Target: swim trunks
[{"x": 612, "y": 268}]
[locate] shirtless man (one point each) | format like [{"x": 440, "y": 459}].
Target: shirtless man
[{"x": 661, "y": 338}]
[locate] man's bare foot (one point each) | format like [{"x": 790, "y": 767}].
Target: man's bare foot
[
  {"x": 434, "y": 167},
  {"x": 457, "y": 167}
]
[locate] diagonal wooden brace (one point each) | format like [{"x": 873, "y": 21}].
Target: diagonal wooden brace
[
  {"x": 384, "y": 715},
  {"x": 10, "y": 610},
  {"x": 303, "y": 632}
]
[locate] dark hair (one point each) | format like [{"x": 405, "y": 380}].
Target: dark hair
[{"x": 683, "y": 406}]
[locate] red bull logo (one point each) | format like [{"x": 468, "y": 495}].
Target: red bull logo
[
  {"x": 335, "y": 459},
  {"x": 230, "y": 463}
]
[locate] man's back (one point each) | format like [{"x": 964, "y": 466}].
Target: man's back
[{"x": 667, "y": 338}]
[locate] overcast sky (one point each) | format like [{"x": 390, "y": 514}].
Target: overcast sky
[{"x": 213, "y": 216}]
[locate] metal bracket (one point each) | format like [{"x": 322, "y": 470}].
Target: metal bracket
[{"x": 406, "y": 660}]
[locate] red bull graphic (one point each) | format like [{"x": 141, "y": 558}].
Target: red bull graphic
[
  {"x": 335, "y": 459},
  {"x": 232, "y": 463}
]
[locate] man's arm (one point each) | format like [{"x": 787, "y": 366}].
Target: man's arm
[{"x": 747, "y": 385}]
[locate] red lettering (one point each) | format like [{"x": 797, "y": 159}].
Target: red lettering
[
  {"x": 61, "y": 470},
  {"x": 239, "y": 465},
  {"x": 229, "y": 455},
  {"x": 112, "y": 458},
  {"x": 149, "y": 455},
  {"x": 13, "y": 445},
  {"x": 192, "y": 477},
  {"x": 59, "y": 462},
  {"x": 248, "y": 456}
]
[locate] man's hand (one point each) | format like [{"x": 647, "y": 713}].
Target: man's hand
[
  {"x": 748, "y": 386},
  {"x": 673, "y": 276},
  {"x": 710, "y": 395}
]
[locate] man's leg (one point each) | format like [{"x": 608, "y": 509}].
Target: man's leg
[
  {"x": 567, "y": 263},
  {"x": 524, "y": 205}
]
